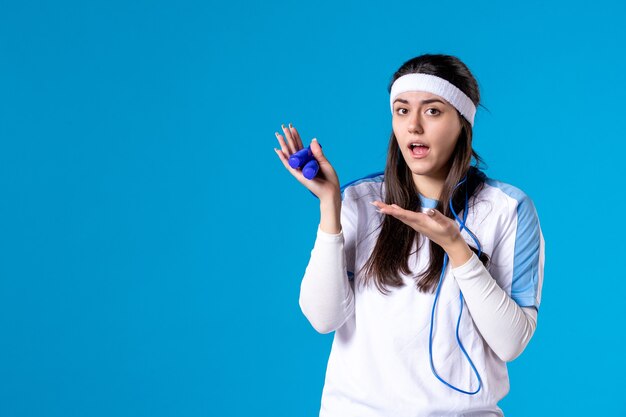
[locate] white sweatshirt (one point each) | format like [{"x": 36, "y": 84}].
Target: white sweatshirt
[
  {"x": 379, "y": 363},
  {"x": 327, "y": 298}
]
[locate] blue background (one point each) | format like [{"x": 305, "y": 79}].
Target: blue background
[{"x": 148, "y": 264}]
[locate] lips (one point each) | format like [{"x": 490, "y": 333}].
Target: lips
[
  {"x": 419, "y": 151},
  {"x": 414, "y": 143}
]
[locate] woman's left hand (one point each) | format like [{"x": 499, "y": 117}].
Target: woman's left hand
[{"x": 440, "y": 229}]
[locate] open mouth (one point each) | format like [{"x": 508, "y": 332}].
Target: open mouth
[{"x": 418, "y": 149}]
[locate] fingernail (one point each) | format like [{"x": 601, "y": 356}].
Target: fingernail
[
  {"x": 290, "y": 125},
  {"x": 283, "y": 126},
  {"x": 431, "y": 212}
]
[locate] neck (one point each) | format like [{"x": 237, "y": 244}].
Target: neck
[{"x": 428, "y": 186}]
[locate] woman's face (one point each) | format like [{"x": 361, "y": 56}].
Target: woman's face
[{"x": 428, "y": 119}]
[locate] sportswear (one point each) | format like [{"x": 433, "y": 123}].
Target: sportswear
[{"x": 379, "y": 361}]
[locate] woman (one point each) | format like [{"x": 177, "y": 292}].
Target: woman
[{"x": 432, "y": 233}]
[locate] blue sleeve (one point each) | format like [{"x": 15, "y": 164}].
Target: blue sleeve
[{"x": 528, "y": 256}]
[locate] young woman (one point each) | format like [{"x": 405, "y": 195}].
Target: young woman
[{"x": 430, "y": 272}]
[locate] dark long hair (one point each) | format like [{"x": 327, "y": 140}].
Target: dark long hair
[{"x": 393, "y": 246}]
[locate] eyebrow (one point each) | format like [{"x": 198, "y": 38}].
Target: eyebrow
[{"x": 431, "y": 100}]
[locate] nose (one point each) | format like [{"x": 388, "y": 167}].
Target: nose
[{"x": 415, "y": 123}]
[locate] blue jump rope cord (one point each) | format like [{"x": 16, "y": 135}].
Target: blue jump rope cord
[{"x": 445, "y": 262}]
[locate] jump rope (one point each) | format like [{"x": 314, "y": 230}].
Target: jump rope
[{"x": 445, "y": 262}]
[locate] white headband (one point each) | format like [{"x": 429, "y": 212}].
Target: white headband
[{"x": 435, "y": 85}]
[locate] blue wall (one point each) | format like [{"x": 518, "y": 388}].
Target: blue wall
[{"x": 146, "y": 264}]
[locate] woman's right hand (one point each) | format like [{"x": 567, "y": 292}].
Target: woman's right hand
[{"x": 325, "y": 185}]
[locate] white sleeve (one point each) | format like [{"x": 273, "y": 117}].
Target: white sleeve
[
  {"x": 326, "y": 297},
  {"x": 506, "y": 327}
]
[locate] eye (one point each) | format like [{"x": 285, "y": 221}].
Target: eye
[
  {"x": 432, "y": 108},
  {"x": 399, "y": 110}
]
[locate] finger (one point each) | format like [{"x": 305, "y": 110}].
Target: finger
[
  {"x": 283, "y": 145},
  {"x": 376, "y": 204},
  {"x": 392, "y": 209},
  {"x": 290, "y": 143},
  {"x": 445, "y": 224},
  {"x": 402, "y": 214},
  {"x": 316, "y": 149},
  {"x": 407, "y": 216},
  {"x": 285, "y": 160},
  {"x": 296, "y": 137},
  {"x": 437, "y": 216},
  {"x": 382, "y": 206}
]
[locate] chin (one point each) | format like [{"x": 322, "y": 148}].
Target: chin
[
  {"x": 421, "y": 172},
  {"x": 418, "y": 165}
]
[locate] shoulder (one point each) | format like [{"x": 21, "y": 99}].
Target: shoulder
[
  {"x": 507, "y": 197},
  {"x": 370, "y": 186},
  {"x": 516, "y": 221}
]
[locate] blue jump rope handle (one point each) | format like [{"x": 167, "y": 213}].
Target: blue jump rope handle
[{"x": 304, "y": 159}]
